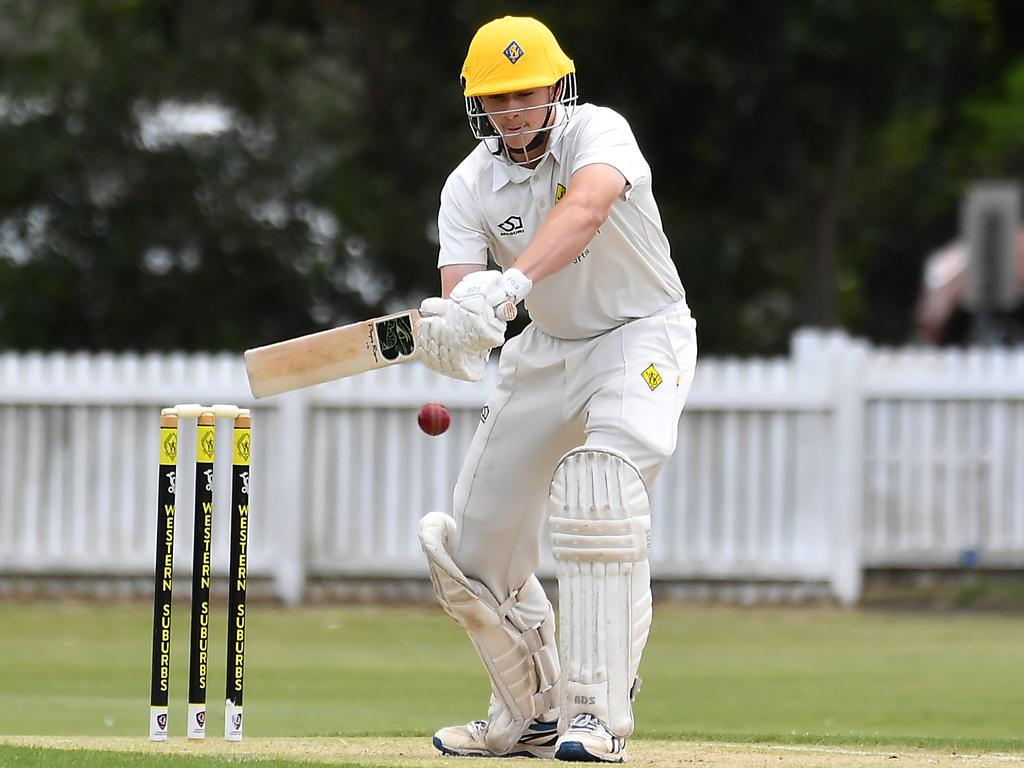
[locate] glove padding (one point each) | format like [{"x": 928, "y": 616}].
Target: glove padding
[
  {"x": 490, "y": 288},
  {"x": 453, "y": 345},
  {"x": 470, "y": 325}
]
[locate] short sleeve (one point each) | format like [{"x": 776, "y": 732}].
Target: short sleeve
[
  {"x": 460, "y": 226},
  {"x": 605, "y": 137}
]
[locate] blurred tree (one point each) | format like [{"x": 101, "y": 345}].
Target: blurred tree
[
  {"x": 154, "y": 201},
  {"x": 765, "y": 124},
  {"x": 217, "y": 175},
  {"x": 188, "y": 175},
  {"x": 904, "y": 194}
]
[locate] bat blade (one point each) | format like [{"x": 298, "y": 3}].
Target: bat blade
[{"x": 332, "y": 354}]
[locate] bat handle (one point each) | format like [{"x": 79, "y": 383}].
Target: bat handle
[{"x": 507, "y": 311}]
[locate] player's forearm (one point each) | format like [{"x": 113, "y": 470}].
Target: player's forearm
[
  {"x": 451, "y": 274},
  {"x": 566, "y": 232}
]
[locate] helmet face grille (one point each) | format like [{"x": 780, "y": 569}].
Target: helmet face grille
[
  {"x": 478, "y": 122},
  {"x": 482, "y": 128}
]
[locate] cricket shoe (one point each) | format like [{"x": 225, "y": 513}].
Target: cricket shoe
[
  {"x": 469, "y": 740},
  {"x": 588, "y": 741}
]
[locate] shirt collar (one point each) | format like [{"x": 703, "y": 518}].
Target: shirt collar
[{"x": 505, "y": 172}]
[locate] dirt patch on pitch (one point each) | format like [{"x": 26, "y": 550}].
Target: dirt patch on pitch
[{"x": 417, "y": 753}]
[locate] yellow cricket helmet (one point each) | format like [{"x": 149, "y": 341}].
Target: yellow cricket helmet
[
  {"x": 514, "y": 53},
  {"x": 517, "y": 53}
]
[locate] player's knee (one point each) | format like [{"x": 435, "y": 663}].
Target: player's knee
[
  {"x": 468, "y": 600},
  {"x": 599, "y": 508},
  {"x": 647, "y": 452}
]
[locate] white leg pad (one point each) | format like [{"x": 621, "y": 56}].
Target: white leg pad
[
  {"x": 515, "y": 639},
  {"x": 600, "y": 520}
]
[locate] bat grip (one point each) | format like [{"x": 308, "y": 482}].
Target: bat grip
[{"x": 507, "y": 311}]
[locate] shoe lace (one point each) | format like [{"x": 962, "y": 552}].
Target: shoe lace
[
  {"x": 585, "y": 722},
  {"x": 479, "y": 726}
]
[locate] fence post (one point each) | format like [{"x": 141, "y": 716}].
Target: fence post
[
  {"x": 834, "y": 361},
  {"x": 287, "y": 484},
  {"x": 849, "y": 358}
]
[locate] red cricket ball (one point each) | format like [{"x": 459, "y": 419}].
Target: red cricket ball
[{"x": 434, "y": 419}]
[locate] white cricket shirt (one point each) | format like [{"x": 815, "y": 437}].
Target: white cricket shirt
[{"x": 491, "y": 206}]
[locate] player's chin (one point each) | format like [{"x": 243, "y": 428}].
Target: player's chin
[{"x": 516, "y": 141}]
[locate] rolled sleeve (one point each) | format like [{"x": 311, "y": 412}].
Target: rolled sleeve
[{"x": 606, "y": 138}]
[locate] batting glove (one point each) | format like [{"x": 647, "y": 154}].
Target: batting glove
[
  {"x": 493, "y": 288},
  {"x": 470, "y": 323},
  {"x": 441, "y": 337}
]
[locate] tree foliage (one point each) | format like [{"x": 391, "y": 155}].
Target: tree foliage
[{"x": 218, "y": 175}]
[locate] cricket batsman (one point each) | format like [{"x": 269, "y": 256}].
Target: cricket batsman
[{"x": 586, "y": 409}]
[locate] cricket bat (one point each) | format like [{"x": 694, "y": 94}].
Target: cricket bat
[
  {"x": 332, "y": 354},
  {"x": 337, "y": 353}
]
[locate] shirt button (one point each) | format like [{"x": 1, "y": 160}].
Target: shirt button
[{"x": 543, "y": 204}]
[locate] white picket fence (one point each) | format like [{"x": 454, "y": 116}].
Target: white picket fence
[{"x": 803, "y": 470}]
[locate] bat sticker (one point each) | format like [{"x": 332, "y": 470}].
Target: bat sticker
[{"x": 394, "y": 336}]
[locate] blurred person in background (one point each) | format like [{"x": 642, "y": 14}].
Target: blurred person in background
[{"x": 941, "y": 314}]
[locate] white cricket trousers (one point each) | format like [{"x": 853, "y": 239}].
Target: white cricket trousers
[{"x": 623, "y": 390}]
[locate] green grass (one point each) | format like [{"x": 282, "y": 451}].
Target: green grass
[
  {"x": 36, "y": 757},
  {"x": 820, "y": 676}
]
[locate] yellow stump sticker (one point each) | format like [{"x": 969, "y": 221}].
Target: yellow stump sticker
[
  {"x": 204, "y": 443},
  {"x": 168, "y": 445},
  {"x": 242, "y": 446}
]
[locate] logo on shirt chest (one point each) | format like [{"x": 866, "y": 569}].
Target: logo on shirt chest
[{"x": 513, "y": 225}]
